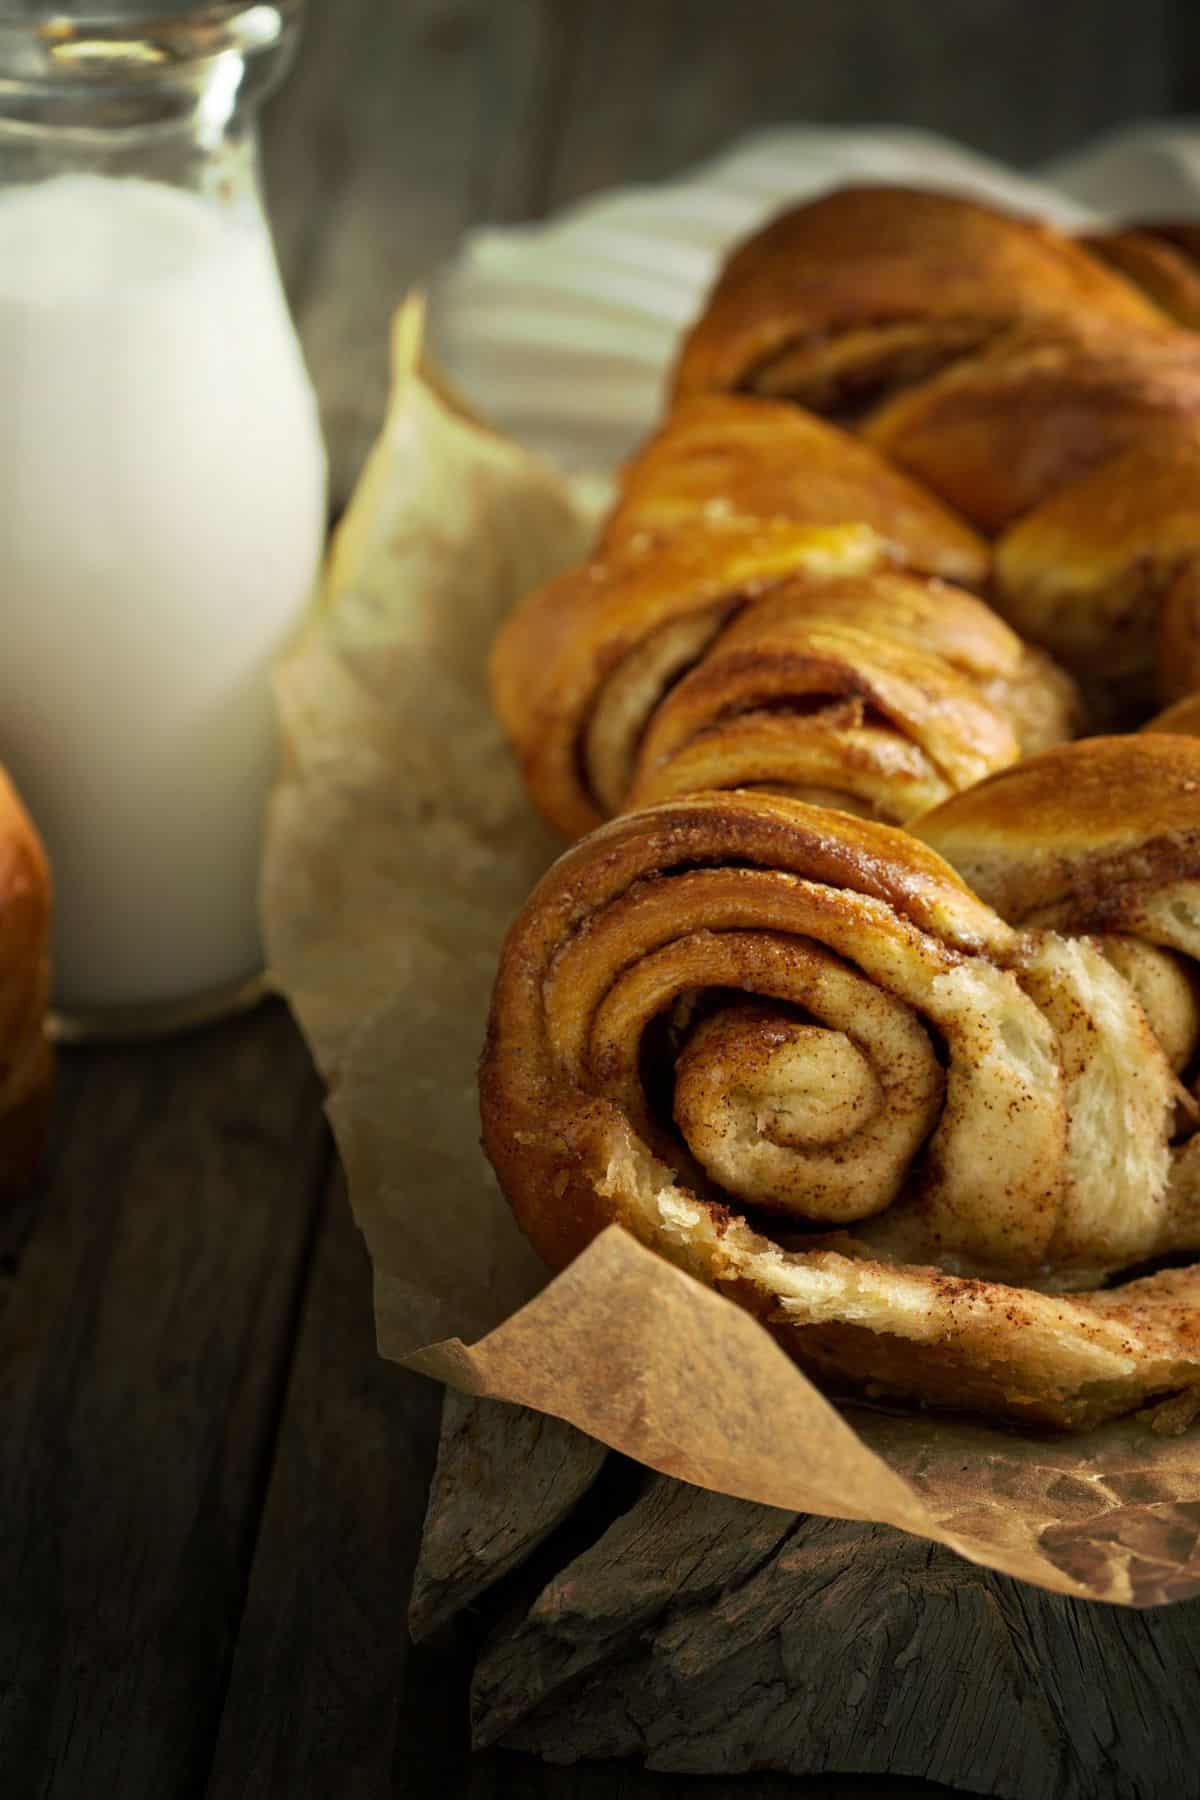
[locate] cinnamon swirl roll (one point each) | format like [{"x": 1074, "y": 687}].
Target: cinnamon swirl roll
[
  {"x": 764, "y": 653},
  {"x": 579, "y": 668},
  {"x": 792, "y": 1052},
  {"x": 881, "y": 695}
]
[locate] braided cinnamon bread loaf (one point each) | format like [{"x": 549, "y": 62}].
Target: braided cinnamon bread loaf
[
  {"x": 921, "y": 1100},
  {"x": 1014, "y": 373}
]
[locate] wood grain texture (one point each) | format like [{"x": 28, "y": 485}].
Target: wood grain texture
[
  {"x": 400, "y": 127},
  {"x": 327, "y": 1697},
  {"x": 314, "y": 1694},
  {"x": 698, "y": 1634},
  {"x": 479, "y": 1523},
  {"x": 652, "y": 87},
  {"x": 144, "y": 1330}
]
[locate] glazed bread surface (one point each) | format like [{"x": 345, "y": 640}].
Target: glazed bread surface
[
  {"x": 705, "y": 641},
  {"x": 1162, "y": 258},
  {"x": 833, "y": 302},
  {"x": 730, "y": 455},
  {"x": 1016, "y": 375}
]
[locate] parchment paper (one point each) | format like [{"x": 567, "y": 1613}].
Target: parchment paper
[{"x": 400, "y": 845}]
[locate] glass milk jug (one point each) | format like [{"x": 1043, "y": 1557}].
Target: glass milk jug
[{"x": 162, "y": 497}]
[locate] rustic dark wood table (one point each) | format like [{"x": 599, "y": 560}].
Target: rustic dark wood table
[{"x": 211, "y": 1489}]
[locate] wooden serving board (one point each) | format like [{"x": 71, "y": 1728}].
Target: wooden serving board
[{"x": 618, "y": 1613}]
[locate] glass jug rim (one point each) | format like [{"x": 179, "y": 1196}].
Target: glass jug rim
[{"x": 105, "y": 50}]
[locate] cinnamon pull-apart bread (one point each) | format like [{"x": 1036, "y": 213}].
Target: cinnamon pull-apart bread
[
  {"x": 768, "y": 607},
  {"x": 791, "y": 1051},
  {"x": 24, "y": 992},
  {"x": 1015, "y": 374}
]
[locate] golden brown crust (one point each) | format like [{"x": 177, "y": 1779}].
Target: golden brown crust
[
  {"x": 582, "y": 669},
  {"x": 1084, "y": 451},
  {"x": 730, "y": 455},
  {"x": 1163, "y": 260},
  {"x": 1182, "y": 719},
  {"x": 25, "y": 1063},
  {"x": 592, "y": 680},
  {"x": 871, "y": 690},
  {"x": 869, "y": 285},
  {"x": 1026, "y": 1356},
  {"x": 999, "y": 433},
  {"x": 1082, "y": 822},
  {"x": 561, "y": 665},
  {"x": 1088, "y": 570},
  {"x": 1017, "y": 375}
]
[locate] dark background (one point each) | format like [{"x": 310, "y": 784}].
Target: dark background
[{"x": 407, "y": 121}]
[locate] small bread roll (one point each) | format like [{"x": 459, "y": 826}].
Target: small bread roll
[{"x": 25, "y": 1062}]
